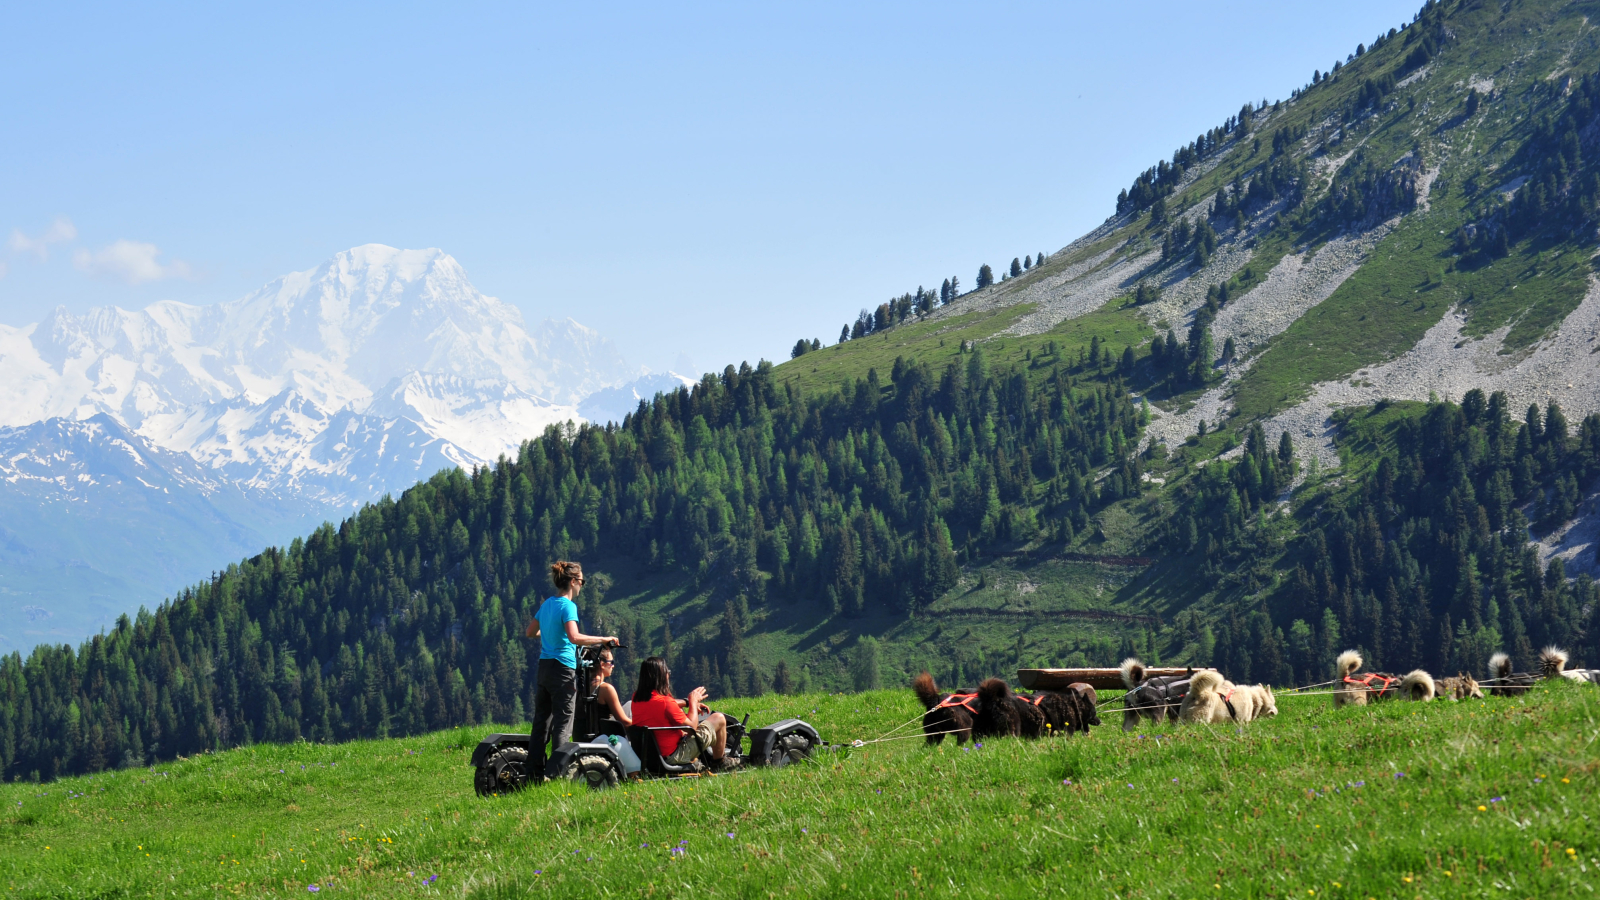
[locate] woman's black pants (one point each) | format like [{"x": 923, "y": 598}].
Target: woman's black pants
[{"x": 555, "y": 697}]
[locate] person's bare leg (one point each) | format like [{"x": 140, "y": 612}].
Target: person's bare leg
[{"x": 720, "y": 723}]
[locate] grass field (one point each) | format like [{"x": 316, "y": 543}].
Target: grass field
[{"x": 1492, "y": 798}]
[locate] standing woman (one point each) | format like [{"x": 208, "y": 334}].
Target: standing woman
[{"x": 555, "y": 690}]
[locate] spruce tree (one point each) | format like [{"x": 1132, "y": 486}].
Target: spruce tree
[
  {"x": 1016, "y": 267},
  {"x": 985, "y": 276}
]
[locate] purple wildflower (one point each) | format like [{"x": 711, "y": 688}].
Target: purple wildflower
[
  {"x": 730, "y": 834},
  {"x": 1495, "y": 799},
  {"x": 312, "y": 888}
]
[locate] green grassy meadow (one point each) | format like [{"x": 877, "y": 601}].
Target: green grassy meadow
[{"x": 1483, "y": 798}]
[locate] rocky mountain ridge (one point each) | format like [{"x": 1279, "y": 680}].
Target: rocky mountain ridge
[{"x": 262, "y": 416}]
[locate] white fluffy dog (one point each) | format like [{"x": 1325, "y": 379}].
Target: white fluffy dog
[{"x": 1213, "y": 699}]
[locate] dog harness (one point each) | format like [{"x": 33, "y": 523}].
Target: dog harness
[
  {"x": 962, "y": 700},
  {"x": 1367, "y": 680},
  {"x": 1227, "y": 700}
]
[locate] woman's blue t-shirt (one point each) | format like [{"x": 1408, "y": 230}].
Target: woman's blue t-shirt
[{"x": 553, "y": 616}]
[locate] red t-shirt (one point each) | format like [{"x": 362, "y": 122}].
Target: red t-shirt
[{"x": 659, "y": 712}]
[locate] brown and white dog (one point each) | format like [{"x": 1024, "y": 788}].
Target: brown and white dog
[
  {"x": 1212, "y": 699},
  {"x": 1505, "y": 683},
  {"x": 1356, "y": 690},
  {"x": 1553, "y": 664},
  {"x": 1459, "y": 687}
]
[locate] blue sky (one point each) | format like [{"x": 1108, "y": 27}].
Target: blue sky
[{"x": 709, "y": 180}]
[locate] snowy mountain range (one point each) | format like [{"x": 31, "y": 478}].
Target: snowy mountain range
[{"x": 141, "y": 446}]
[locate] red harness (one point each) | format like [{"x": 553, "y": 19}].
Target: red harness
[
  {"x": 961, "y": 700},
  {"x": 1370, "y": 677}
]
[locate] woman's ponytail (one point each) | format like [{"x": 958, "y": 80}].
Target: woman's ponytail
[{"x": 563, "y": 573}]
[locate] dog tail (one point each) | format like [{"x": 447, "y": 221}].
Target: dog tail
[
  {"x": 1205, "y": 682},
  {"x": 1348, "y": 663},
  {"x": 1132, "y": 673},
  {"x": 993, "y": 689},
  {"x": 1418, "y": 685},
  {"x": 1500, "y": 667},
  {"x": 1552, "y": 660},
  {"x": 927, "y": 691}
]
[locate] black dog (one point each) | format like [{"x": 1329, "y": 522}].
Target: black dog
[
  {"x": 1064, "y": 711},
  {"x": 1004, "y": 713},
  {"x": 946, "y": 714}
]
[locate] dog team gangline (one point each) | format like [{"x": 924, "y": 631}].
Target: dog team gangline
[{"x": 1386, "y": 684}]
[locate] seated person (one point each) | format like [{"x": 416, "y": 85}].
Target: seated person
[
  {"x": 605, "y": 696},
  {"x": 655, "y": 707}
]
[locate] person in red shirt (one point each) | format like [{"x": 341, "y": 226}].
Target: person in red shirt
[{"x": 655, "y": 707}]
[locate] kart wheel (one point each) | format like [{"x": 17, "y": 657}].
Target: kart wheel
[
  {"x": 789, "y": 748},
  {"x": 505, "y": 771},
  {"x": 595, "y": 771}
]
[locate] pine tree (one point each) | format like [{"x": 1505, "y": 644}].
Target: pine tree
[
  {"x": 844, "y": 334},
  {"x": 985, "y": 276},
  {"x": 866, "y": 669},
  {"x": 1016, "y": 267}
]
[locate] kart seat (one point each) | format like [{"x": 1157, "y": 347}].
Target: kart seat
[{"x": 644, "y": 744}]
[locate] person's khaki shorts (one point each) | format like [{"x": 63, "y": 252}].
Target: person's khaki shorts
[{"x": 693, "y": 743}]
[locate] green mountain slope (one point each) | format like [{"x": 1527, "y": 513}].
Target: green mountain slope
[{"x": 1124, "y": 447}]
